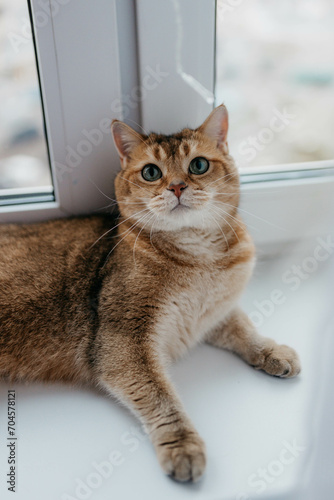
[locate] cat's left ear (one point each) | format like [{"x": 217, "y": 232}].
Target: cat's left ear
[
  {"x": 125, "y": 138},
  {"x": 216, "y": 127}
]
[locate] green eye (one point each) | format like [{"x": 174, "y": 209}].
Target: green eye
[
  {"x": 198, "y": 166},
  {"x": 151, "y": 173}
]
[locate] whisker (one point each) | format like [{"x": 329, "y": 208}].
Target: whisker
[
  {"x": 226, "y": 176},
  {"x": 132, "y": 202},
  {"x": 116, "y": 203},
  {"x": 156, "y": 217},
  {"x": 97, "y": 187},
  {"x": 214, "y": 220},
  {"x": 228, "y": 225},
  {"x": 111, "y": 229},
  {"x": 256, "y": 216},
  {"x": 127, "y": 232},
  {"x": 238, "y": 223},
  {"x": 107, "y": 206},
  {"x": 134, "y": 247},
  {"x": 236, "y": 220},
  {"x": 271, "y": 191}
]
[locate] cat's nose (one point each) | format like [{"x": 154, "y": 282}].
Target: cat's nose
[{"x": 177, "y": 188}]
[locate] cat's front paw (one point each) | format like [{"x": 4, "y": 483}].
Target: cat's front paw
[
  {"x": 279, "y": 360},
  {"x": 182, "y": 457}
]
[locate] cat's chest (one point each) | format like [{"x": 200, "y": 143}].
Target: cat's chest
[{"x": 200, "y": 305}]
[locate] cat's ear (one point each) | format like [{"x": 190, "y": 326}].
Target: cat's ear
[
  {"x": 216, "y": 127},
  {"x": 125, "y": 138}
]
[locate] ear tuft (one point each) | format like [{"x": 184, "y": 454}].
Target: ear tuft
[
  {"x": 216, "y": 127},
  {"x": 125, "y": 138}
]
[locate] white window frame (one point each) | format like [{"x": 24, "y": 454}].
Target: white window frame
[
  {"x": 83, "y": 74},
  {"x": 93, "y": 56}
]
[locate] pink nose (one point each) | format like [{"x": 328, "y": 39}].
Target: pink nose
[{"x": 178, "y": 188}]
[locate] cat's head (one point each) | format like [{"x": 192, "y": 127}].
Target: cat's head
[{"x": 170, "y": 182}]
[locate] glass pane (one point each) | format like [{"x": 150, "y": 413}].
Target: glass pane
[
  {"x": 275, "y": 73},
  {"x": 24, "y": 160}
]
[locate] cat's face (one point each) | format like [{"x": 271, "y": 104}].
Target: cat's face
[{"x": 182, "y": 180}]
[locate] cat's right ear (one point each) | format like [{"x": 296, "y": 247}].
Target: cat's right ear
[{"x": 125, "y": 138}]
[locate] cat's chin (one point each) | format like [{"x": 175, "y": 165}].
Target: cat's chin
[
  {"x": 182, "y": 217},
  {"x": 180, "y": 208}
]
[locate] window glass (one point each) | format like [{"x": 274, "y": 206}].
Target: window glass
[
  {"x": 24, "y": 160},
  {"x": 275, "y": 73}
]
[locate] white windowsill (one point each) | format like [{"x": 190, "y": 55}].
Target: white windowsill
[{"x": 244, "y": 416}]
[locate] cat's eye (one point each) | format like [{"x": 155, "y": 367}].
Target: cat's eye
[
  {"x": 199, "y": 166},
  {"x": 151, "y": 172}
]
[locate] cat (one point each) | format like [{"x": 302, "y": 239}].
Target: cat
[{"x": 111, "y": 300}]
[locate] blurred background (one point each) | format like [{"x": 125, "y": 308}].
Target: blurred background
[
  {"x": 23, "y": 153},
  {"x": 275, "y": 55}
]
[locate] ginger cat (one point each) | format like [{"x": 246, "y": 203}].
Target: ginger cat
[{"x": 112, "y": 301}]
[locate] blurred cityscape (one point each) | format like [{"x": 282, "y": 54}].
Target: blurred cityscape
[
  {"x": 275, "y": 74},
  {"x": 23, "y": 155}
]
